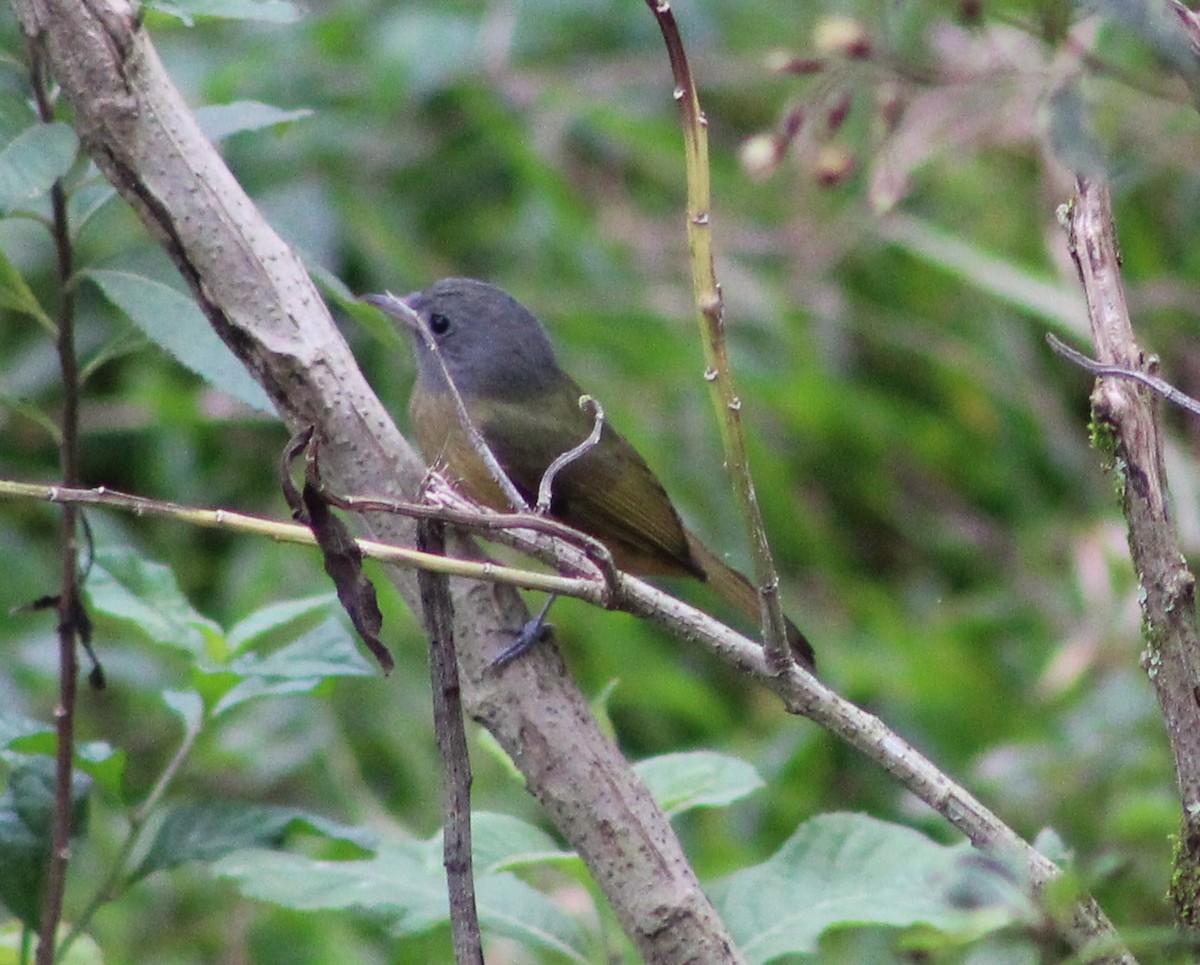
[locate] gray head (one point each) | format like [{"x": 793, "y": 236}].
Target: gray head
[{"x": 491, "y": 344}]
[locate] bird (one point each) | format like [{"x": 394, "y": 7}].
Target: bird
[{"x": 502, "y": 363}]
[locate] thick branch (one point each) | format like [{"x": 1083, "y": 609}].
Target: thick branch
[
  {"x": 258, "y": 297},
  {"x": 1126, "y": 420}
]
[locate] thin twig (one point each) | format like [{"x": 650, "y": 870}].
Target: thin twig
[
  {"x": 546, "y": 487},
  {"x": 1152, "y": 382},
  {"x": 68, "y": 597},
  {"x": 282, "y": 532},
  {"x": 719, "y": 373},
  {"x": 452, "y": 744},
  {"x": 485, "y": 521},
  {"x": 480, "y": 519}
]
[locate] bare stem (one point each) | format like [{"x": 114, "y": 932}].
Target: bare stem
[
  {"x": 1152, "y": 382},
  {"x": 294, "y": 533},
  {"x": 68, "y": 595},
  {"x": 718, "y": 373},
  {"x": 452, "y": 744},
  {"x": 1126, "y": 426}
]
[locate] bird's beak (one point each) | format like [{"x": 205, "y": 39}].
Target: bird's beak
[{"x": 396, "y": 307}]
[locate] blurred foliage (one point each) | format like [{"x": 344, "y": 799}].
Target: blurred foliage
[{"x": 885, "y": 184}]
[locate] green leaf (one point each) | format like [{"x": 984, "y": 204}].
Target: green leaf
[
  {"x": 38, "y": 417},
  {"x": 23, "y": 857},
  {"x": 31, "y": 790},
  {"x": 401, "y": 879},
  {"x": 83, "y": 950},
  {"x": 173, "y": 322},
  {"x": 33, "y": 160},
  {"x": 86, "y": 201},
  {"x": 105, "y": 764},
  {"x": 493, "y": 749},
  {"x": 500, "y": 842},
  {"x": 1053, "y": 300},
  {"x": 327, "y": 650},
  {"x": 384, "y": 329},
  {"x": 219, "y": 121},
  {"x": 334, "y": 289},
  {"x": 98, "y": 759},
  {"x": 206, "y": 831},
  {"x": 840, "y": 869},
  {"x": 15, "y": 726},
  {"x": 26, "y": 815},
  {"x": 126, "y": 587},
  {"x": 680, "y": 782},
  {"x": 600, "y": 708},
  {"x": 510, "y": 907},
  {"x": 229, "y": 692},
  {"x": 16, "y": 294},
  {"x": 275, "y": 616},
  {"x": 404, "y": 882},
  {"x": 267, "y": 11},
  {"x": 16, "y": 115},
  {"x": 188, "y": 705}
]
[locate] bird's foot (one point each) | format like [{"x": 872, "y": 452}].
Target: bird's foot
[{"x": 535, "y": 631}]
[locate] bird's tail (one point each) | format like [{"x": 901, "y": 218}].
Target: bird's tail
[{"x": 740, "y": 593}]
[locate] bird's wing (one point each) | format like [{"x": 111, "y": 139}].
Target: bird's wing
[{"x": 609, "y": 492}]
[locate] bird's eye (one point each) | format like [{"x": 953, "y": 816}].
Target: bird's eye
[{"x": 439, "y": 324}]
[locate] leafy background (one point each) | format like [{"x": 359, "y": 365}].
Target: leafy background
[{"x": 946, "y": 536}]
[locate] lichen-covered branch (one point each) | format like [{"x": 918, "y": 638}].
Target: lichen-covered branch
[{"x": 1126, "y": 428}]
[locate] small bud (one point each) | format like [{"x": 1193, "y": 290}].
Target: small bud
[
  {"x": 839, "y": 112},
  {"x": 971, "y": 11},
  {"x": 776, "y": 61},
  {"x": 792, "y": 122},
  {"x": 833, "y": 165},
  {"x": 842, "y": 36},
  {"x": 786, "y": 62},
  {"x": 760, "y": 156},
  {"x": 890, "y": 102}
]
